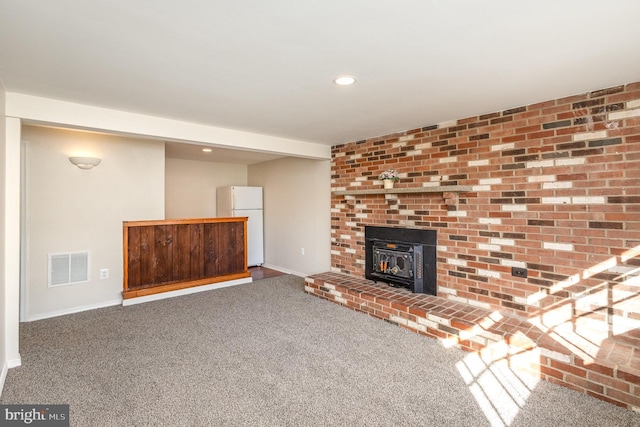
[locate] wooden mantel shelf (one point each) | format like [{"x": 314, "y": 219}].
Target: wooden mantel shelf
[{"x": 432, "y": 189}]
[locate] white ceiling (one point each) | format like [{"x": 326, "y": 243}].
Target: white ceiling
[
  {"x": 180, "y": 150},
  {"x": 267, "y": 66}
]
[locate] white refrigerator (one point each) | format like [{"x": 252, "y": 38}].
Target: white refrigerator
[{"x": 245, "y": 201}]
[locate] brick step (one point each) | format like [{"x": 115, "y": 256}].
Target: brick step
[{"x": 608, "y": 370}]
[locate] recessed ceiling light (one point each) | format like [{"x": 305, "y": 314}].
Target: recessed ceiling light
[
  {"x": 344, "y": 80},
  {"x": 207, "y": 150}
]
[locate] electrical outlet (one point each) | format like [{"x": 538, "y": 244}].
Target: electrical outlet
[
  {"x": 302, "y": 251},
  {"x": 519, "y": 272},
  {"x": 104, "y": 273}
]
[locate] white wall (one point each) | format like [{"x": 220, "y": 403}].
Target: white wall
[
  {"x": 4, "y": 324},
  {"x": 190, "y": 186},
  {"x": 69, "y": 209},
  {"x": 297, "y": 213},
  {"x": 10, "y": 243},
  {"x": 296, "y": 205}
]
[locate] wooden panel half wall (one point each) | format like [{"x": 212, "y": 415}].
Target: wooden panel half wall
[{"x": 168, "y": 255}]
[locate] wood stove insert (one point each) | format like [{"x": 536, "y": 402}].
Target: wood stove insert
[{"x": 403, "y": 257}]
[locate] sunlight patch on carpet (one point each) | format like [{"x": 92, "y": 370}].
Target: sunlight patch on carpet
[{"x": 499, "y": 391}]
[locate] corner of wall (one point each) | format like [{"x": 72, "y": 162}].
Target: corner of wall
[{"x": 3, "y": 321}]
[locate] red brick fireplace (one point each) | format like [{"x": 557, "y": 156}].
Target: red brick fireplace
[{"x": 550, "y": 191}]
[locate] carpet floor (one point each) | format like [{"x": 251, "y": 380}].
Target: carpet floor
[{"x": 267, "y": 354}]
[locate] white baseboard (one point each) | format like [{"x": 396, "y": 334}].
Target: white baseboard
[
  {"x": 73, "y": 310},
  {"x": 186, "y": 291},
  {"x": 3, "y": 375},
  {"x": 6, "y": 365},
  {"x": 284, "y": 270},
  {"x": 14, "y": 363}
]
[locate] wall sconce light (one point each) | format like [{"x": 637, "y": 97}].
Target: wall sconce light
[{"x": 85, "y": 162}]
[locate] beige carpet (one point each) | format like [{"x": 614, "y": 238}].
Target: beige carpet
[{"x": 268, "y": 354}]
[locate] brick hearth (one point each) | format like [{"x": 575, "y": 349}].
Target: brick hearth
[{"x": 614, "y": 376}]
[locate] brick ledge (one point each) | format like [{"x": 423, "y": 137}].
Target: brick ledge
[{"x": 491, "y": 333}]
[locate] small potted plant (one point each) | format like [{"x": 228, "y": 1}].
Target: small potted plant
[{"x": 388, "y": 177}]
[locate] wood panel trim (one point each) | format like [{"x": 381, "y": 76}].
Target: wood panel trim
[
  {"x": 125, "y": 256},
  {"x": 183, "y": 221},
  {"x": 182, "y": 285}
]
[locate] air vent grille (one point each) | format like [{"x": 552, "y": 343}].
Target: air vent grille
[{"x": 68, "y": 268}]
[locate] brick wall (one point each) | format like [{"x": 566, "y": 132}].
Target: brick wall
[{"x": 555, "y": 190}]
